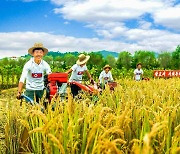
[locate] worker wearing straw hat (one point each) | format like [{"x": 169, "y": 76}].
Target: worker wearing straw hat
[
  {"x": 78, "y": 70},
  {"x": 33, "y": 73},
  {"x": 105, "y": 76}
]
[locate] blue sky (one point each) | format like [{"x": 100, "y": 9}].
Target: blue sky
[
  {"x": 38, "y": 16},
  {"x": 86, "y": 25}
]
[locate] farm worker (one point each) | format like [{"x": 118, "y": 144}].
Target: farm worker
[
  {"x": 33, "y": 72},
  {"x": 78, "y": 70},
  {"x": 105, "y": 76},
  {"x": 138, "y": 72}
]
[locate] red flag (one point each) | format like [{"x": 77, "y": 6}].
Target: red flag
[{"x": 37, "y": 75}]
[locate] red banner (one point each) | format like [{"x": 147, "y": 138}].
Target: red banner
[{"x": 166, "y": 73}]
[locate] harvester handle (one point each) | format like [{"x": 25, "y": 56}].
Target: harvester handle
[{"x": 28, "y": 99}]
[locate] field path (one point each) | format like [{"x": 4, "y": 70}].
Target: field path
[{"x": 5, "y": 96}]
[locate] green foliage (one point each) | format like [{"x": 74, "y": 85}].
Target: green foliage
[
  {"x": 176, "y": 58},
  {"x": 123, "y": 67},
  {"x": 124, "y": 60},
  {"x": 69, "y": 60},
  {"x": 165, "y": 60},
  {"x": 49, "y": 59},
  {"x": 111, "y": 60},
  {"x": 96, "y": 60},
  {"x": 147, "y": 59}
]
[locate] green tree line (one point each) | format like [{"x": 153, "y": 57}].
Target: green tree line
[{"x": 123, "y": 66}]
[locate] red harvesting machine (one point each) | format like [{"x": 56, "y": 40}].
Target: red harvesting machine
[
  {"x": 53, "y": 82},
  {"x": 56, "y": 83}
]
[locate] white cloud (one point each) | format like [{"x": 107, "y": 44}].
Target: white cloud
[
  {"x": 110, "y": 29},
  {"x": 61, "y": 2},
  {"x": 17, "y": 43},
  {"x": 144, "y": 24},
  {"x": 66, "y": 22},
  {"x": 107, "y": 18},
  {"x": 169, "y": 17},
  {"x": 163, "y": 12},
  {"x": 106, "y": 10},
  {"x": 155, "y": 40}
]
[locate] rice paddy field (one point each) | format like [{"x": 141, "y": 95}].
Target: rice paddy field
[{"x": 138, "y": 117}]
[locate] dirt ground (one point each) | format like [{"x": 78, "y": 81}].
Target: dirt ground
[{"x": 5, "y": 95}]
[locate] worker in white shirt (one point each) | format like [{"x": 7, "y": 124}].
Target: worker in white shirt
[
  {"x": 78, "y": 70},
  {"x": 105, "y": 76},
  {"x": 33, "y": 72},
  {"x": 138, "y": 72}
]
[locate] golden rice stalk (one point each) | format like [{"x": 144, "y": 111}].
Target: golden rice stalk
[
  {"x": 107, "y": 147},
  {"x": 91, "y": 135},
  {"x": 35, "y": 130},
  {"x": 113, "y": 130},
  {"x": 39, "y": 114},
  {"x": 157, "y": 127},
  {"x": 75, "y": 147},
  {"x": 70, "y": 105},
  {"x": 177, "y": 150},
  {"x": 53, "y": 123},
  {"x": 135, "y": 141},
  {"x": 177, "y": 129},
  {"x": 56, "y": 142},
  {"x": 119, "y": 141},
  {"x": 47, "y": 147},
  {"x": 24, "y": 123}
]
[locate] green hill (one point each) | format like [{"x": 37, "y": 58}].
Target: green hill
[{"x": 103, "y": 52}]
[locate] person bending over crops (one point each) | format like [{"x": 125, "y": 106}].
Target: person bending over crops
[
  {"x": 33, "y": 73},
  {"x": 105, "y": 76},
  {"x": 78, "y": 70},
  {"x": 138, "y": 72}
]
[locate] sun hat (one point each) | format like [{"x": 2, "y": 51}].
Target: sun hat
[
  {"x": 107, "y": 66},
  {"x": 82, "y": 59},
  {"x": 37, "y": 45}
]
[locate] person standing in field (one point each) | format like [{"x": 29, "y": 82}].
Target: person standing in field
[
  {"x": 138, "y": 72},
  {"x": 78, "y": 70},
  {"x": 33, "y": 72},
  {"x": 105, "y": 76}
]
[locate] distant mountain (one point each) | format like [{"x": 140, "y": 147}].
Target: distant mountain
[
  {"x": 57, "y": 53},
  {"x": 61, "y": 54},
  {"x": 103, "y": 52},
  {"x": 156, "y": 54},
  {"x": 106, "y": 53}
]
